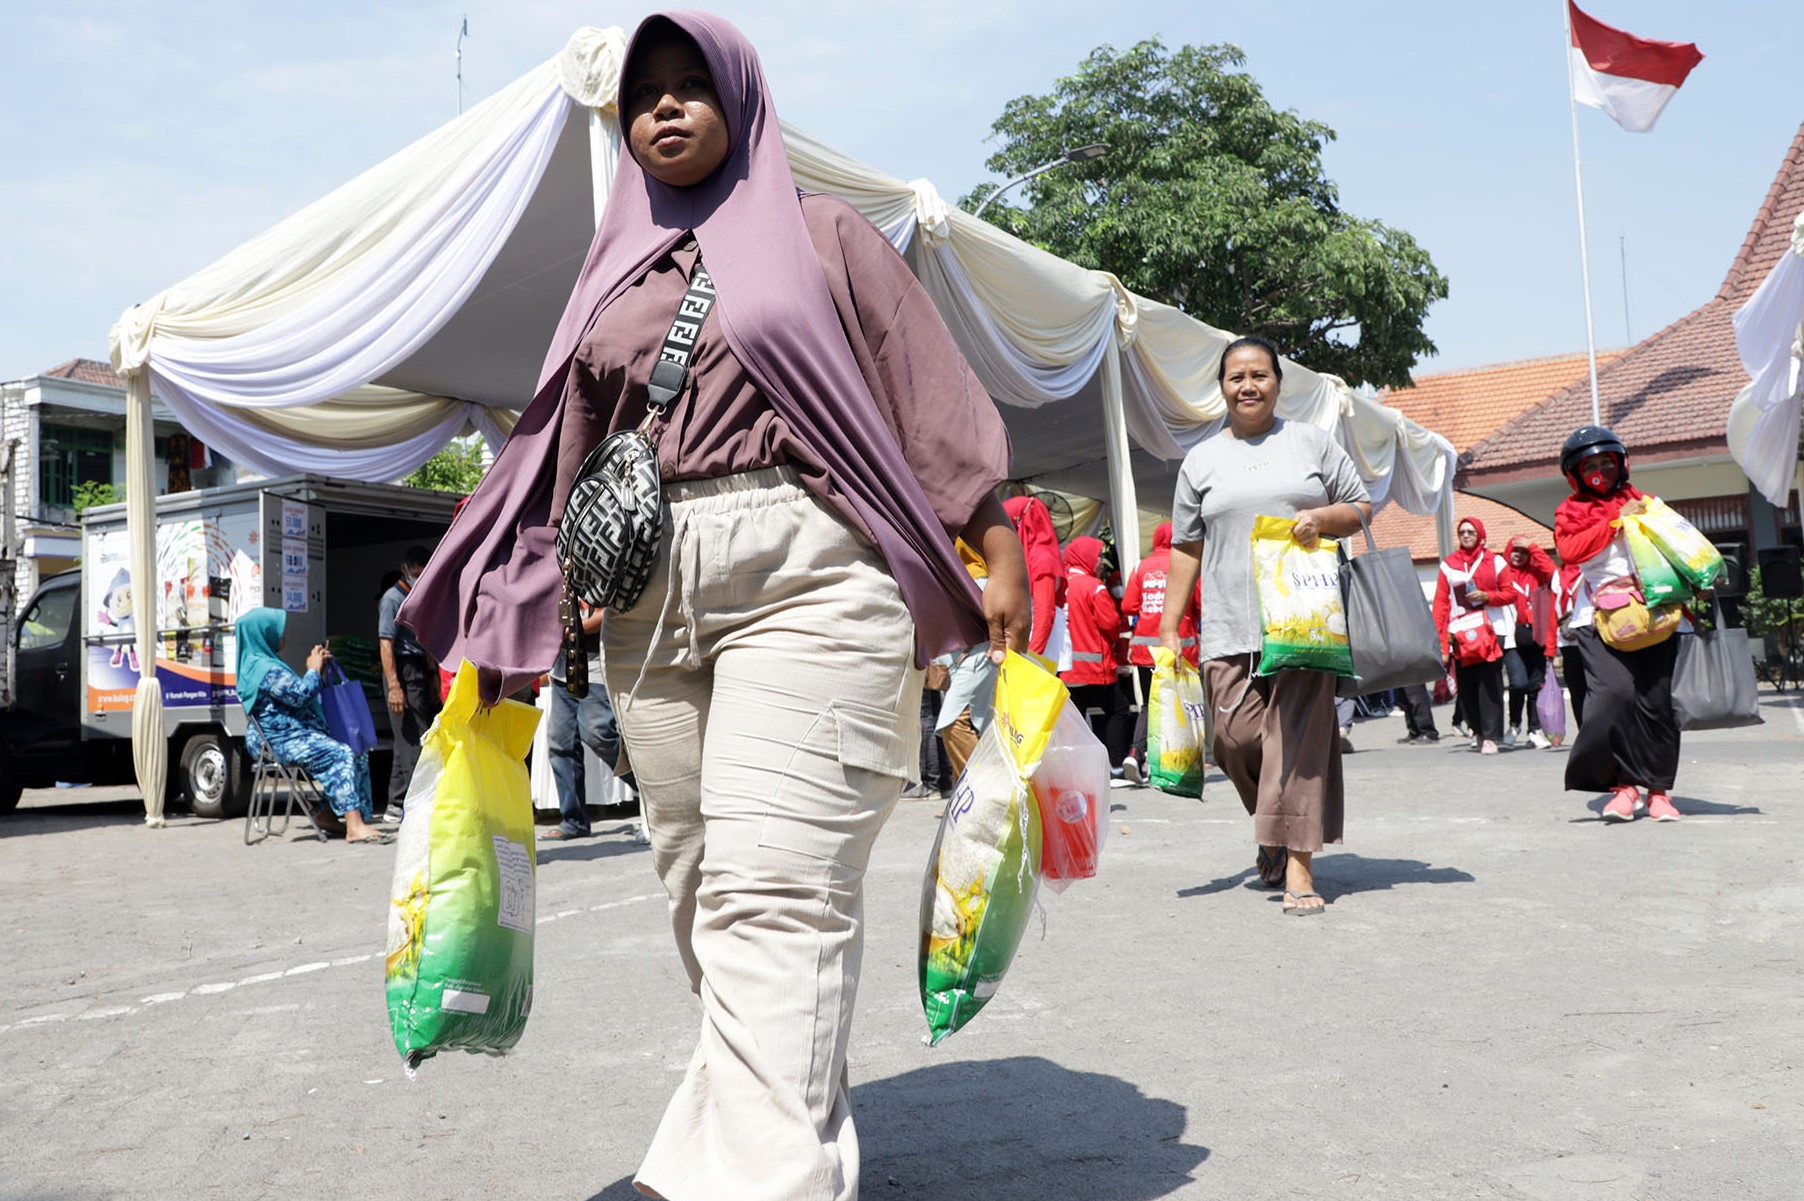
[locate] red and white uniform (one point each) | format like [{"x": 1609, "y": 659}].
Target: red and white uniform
[
  {"x": 1525, "y": 582},
  {"x": 1144, "y": 600},
  {"x": 1092, "y": 621},
  {"x": 1488, "y": 570}
]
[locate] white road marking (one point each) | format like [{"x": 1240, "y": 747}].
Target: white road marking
[{"x": 299, "y": 969}]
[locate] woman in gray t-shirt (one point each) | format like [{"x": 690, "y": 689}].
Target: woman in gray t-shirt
[{"x": 1276, "y": 736}]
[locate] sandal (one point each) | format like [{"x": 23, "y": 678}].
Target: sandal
[
  {"x": 559, "y": 834},
  {"x": 1270, "y": 864},
  {"x": 1301, "y": 910}
]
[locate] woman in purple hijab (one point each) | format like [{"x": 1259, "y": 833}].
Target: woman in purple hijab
[{"x": 831, "y": 445}]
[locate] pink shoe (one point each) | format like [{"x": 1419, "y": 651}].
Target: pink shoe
[
  {"x": 1661, "y": 808},
  {"x": 1621, "y": 805}
]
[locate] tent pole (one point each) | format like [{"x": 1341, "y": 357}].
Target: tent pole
[
  {"x": 1124, "y": 502},
  {"x": 150, "y": 748}
]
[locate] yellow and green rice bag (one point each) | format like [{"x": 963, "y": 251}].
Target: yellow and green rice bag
[{"x": 460, "y": 925}]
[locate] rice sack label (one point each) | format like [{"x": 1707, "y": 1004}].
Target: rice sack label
[
  {"x": 1692, "y": 555},
  {"x": 1661, "y": 583},
  {"x": 1176, "y": 727},
  {"x": 978, "y": 892},
  {"x": 1299, "y": 601},
  {"x": 460, "y": 923}
]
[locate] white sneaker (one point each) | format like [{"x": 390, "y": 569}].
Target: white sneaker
[
  {"x": 1487, "y": 748},
  {"x": 1130, "y": 771},
  {"x": 1539, "y": 740}
]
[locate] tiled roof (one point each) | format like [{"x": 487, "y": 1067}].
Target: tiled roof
[
  {"x": 1669, "y": 396},
  {"x": 87, "y": 371},
  {"x": 1465, "y": 407},
  {"x": 1397, "y": 526}
]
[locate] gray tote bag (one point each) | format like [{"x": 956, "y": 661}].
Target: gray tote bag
[
  {"x": 1713, "y": 686},
  {"x": 1389, "y": 623}
]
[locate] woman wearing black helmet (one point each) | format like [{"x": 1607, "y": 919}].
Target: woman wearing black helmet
[{"x": 1630, "y": 738}]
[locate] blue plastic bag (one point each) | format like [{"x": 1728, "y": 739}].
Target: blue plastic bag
[{"x": 347, "y": 711}]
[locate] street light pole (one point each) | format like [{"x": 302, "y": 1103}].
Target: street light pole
[
  {"x": 463, "y": 32},
  {"x": 1082, "y": 154}
]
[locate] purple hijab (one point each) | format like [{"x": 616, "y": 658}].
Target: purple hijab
[{"x": 490, "y": 593}]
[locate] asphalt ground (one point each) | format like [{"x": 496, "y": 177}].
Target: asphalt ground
[{"x": 1505, "y": 999}]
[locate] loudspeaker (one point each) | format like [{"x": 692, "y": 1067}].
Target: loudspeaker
[
  {"x": 1734, "y": 580},
  {"x": 1779, "y": 574}
]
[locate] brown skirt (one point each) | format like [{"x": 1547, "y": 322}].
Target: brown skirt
[{"x": 1277, "y": 739}]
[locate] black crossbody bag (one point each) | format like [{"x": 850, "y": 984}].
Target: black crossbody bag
[{"x": 607, "y": 540}]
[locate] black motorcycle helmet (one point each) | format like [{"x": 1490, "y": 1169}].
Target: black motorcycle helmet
[{"x": 1585, "y": 441}]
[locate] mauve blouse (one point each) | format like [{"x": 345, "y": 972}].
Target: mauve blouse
[{"x": 944, "y": 421}]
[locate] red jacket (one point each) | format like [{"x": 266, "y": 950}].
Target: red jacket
[
  {"x": 1526, "y": 582},
  {"x": 1045, "y": 573},
  {"x": 1485, "y": 568},
  {"x": 1144, "y": 600},
  {"x": 1092, "y": 621}
]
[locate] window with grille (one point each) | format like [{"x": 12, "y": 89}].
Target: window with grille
[{"x": 69, "y": 455}]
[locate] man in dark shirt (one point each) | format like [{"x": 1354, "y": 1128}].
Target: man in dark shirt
[{"x": 411, "y": 677}]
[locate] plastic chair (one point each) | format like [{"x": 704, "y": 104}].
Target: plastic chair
[{"x": 270, "y": 776}]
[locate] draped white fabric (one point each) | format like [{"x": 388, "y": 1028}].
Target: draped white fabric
[
  {"x": 271, "y": 352},
  {"x": 1769, "y": 334}
]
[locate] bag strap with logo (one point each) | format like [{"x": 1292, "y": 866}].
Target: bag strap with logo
[{"x": 614, "y": 520}]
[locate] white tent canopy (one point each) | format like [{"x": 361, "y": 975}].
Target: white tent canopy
[
  {"x": 360, "y": 335},
  {"x": 1769, "y": 334}
]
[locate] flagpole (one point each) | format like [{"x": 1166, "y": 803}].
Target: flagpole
[{"x": 1578, "y": 179}]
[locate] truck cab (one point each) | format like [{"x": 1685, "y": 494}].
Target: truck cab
[{"x": 41, "y": 736}]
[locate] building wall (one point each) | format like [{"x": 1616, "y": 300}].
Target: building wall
[{"x": 25, "y": 407}]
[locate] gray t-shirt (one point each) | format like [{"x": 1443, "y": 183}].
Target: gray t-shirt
[
  {"x": 1224, "y": 483},
  {"x": 386, "y": 611}
]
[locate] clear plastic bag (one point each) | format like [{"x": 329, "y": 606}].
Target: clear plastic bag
[
  {"x": 1071, "y": 788},
  {"x": 984, "y": 869}
]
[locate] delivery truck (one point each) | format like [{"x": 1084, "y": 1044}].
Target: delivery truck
[{"x": 314, "y": 546}]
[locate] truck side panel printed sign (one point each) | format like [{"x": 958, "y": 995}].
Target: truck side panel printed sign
[{"x": 209, "y": 573}]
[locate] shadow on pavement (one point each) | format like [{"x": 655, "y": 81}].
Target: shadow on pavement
[
  {"x": 1687, "y": 807},
  {"x": 1019, "y": 1129},
  {"x": 1342, "y": 874},
  {"x": 39, "y": 818},
  {"x": 587, "y": 850}
]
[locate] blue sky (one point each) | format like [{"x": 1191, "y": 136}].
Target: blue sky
[{"x": 143, "y": 140}]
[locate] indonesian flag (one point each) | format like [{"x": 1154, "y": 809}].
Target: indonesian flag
[{"x": 1628, "y": 77}]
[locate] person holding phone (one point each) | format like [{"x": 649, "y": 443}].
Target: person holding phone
[
  {"x": 1475, "y": 610},
  {"x": 288, "y": 713}
]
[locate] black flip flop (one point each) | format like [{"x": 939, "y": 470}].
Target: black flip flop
[{"x": 1270, "y": 864}]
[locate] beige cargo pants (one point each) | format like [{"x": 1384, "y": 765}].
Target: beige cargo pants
[{"x": 771, "y": 733}]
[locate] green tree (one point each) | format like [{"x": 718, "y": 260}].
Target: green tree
[
  {"x": 90, "y": 492},
  {"x": 1211, "y": 200},
  {"x": 457, "y": 468}
]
